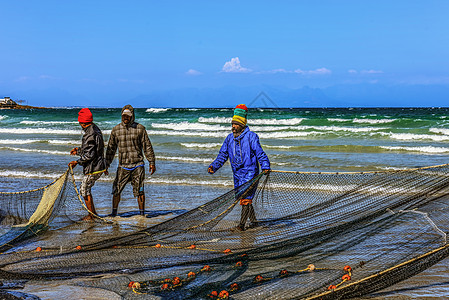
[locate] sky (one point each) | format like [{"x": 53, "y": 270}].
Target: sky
[{"x": 217, "y": 53}]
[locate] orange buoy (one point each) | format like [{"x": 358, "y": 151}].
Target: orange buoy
[
  {"x": 283, "y": 273},
  {"x": 78, "y": 247},
  {"x": 136, "y": 285},
  {"x": 258, "y": 278},
  {"x": 191, "y": 274},
  {"x": 346, "y": 277},
  {"x": 227, "y": 251},
  {"x": 38, "y": 249},
  {"x": 130, "y": 284},
  {"x": 213, "y": 294},
  {"x": 206, "y": 268},
  {"x": 234, "y": 287},
  {"x": 223, "y": 295},
  {"x": 311, "y": 267},
  {"x": 158, "y": 245},
  {"x": 165, "y": 286},
  {"x": 167, "y": 280},
  {"x": 176, "y": 281},
  {"x": 192, "y": 247},
  {"x": 347, "y": 268},
  {"x": 238, "y": 264},
  {"x": 331, "y": 287}
]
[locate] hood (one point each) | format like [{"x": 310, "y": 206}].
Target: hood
[{"x": 128, "y": 106}]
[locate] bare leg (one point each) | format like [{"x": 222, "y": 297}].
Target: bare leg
[
  {"x": 244, "y": 216},
  {"x": 115, "y": 201},
  {"x": 141, "y": 201},
  {"x": 90, "y": 206}
]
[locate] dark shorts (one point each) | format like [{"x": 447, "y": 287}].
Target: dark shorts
[{"x": 136, "y": 177}]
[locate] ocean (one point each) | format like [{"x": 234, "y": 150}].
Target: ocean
[{"x": 35, "y": 146}]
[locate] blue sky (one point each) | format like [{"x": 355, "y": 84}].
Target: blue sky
[{"x": 211, "y": 53}]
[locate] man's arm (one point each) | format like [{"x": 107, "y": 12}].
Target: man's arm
[
  {"x": 148, "y": 151},
  {"x": 262, "y": 157},
  {"x": 222, "y": 157},
  {"x": 111, "y": 149}
]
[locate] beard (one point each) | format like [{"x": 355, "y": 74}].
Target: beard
[{"x": 237, "y": 131}]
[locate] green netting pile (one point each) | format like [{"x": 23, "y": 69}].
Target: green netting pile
[{"x": 320, "y": 235}]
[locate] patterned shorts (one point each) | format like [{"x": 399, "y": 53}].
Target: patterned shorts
[
  {"x": 88, "y": 182},
  {"x": 136, "y": 177}
]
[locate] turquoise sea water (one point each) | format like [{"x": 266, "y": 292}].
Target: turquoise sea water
[
  {"x": 36, "y": 143},
  {"x": 35, "y": 146}
]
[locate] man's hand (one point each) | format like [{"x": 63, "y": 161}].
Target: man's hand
[
  {"x": 74, "y": 151},
  {"x": 73, "y": 164},
  {"x": 210, "y": 170},
  {"x": 152, "y": 169}
]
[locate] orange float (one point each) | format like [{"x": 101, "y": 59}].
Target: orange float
[{"x": 223, "y": 295}]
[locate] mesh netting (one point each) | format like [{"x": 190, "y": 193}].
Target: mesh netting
[{"x": 319, "y": 235}]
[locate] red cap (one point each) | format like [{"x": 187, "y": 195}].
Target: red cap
[
  {"x": 242, "y": 106},
  {"x": 85, "y": 116}
]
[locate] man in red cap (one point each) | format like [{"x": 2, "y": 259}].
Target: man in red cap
[
  {"x": 245, "y": 153},
  {"x": 91, "y": 158}
]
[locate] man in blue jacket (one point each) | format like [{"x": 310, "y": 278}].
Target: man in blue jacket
[{"x": 245, "y": 153}]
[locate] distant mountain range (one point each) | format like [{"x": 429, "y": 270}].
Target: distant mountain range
[{"x": 356, "y": 95}]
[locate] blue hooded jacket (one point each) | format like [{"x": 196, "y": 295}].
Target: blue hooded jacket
[{"x": 245, "y": 154}]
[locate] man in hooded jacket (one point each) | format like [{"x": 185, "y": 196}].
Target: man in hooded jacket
[
  {"x": 245, "y": 153},
  {"x": 91, "y": 158},
  {"x": 132, "y": 141}
]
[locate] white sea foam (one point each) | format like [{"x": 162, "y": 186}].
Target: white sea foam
[
  {"x": 337, "y": 120},
  {"x": 371, "y": 121},
  {"x": 190, "y": 126},
  {"x": 439, "y": 130},
  {"x": 290, "y": 134},
  {"x": 186, "y": 159},
  {"x": 220, "y": 120},
  {"x": 277, "y": 147},
  {"x": 350, "y": 129},
  {"x": 36, "y": 151},
  {"x": 28, "y": 141},
  {"x": 413, "y": 137},
  {"x": 188, "y": 181},
  {"x": 44, "y": 131},
  {"x": 214, "y": 120},
  {"x": 27, "y": 122},
  {"x": 200, "y": 145},
  {"x": 156, "y": 110},
  {"x": 2, "y": 117},
  {"x": 424, "y": 149},
  {"x": 28, "y": 174}
]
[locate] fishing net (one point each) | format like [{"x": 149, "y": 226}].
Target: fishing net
[
  {"x": 318, "y": 236},
  {"x": 26, "y": 214}
]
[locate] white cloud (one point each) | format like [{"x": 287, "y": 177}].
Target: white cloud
[
  {"x": 193, "y": 72},
  {"x": 278, "y": 71},
  {"x": 320, "y": 71},
  {"x": 233, "y": 66},
  {"x": 46, "y": 77},
  {"x": 352, "y": 71},
  {"x": 371, "y": 72},
  {"x": 23, "y": 78}
]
